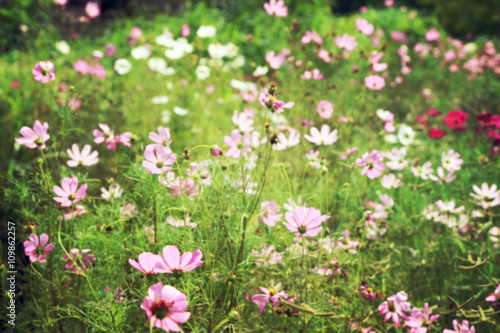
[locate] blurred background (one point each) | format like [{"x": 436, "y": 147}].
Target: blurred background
[{"x": 463, "y": 19}]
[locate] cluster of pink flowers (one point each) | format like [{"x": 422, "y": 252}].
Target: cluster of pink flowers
[
  {"x": 106, "y": 135},
  {"x": 84, "y": 68}
]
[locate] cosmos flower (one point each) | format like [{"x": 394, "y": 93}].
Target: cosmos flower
[
  {"x": 34, "y": 138},
  {"x": 166, "y": 307},
  {"x": 268, "y": 295},
  {"x": 83, "y": 157},
  {"x": 305, "y": 221},
  {"x": 147, "y": 263},
  {"x": 69, "y": 194},
  {"x": 374, "y": 82},
  {"x": 395, "y": 307},
  {"x": 173, "y": 262},
  {"x": 323, "y": 137},
  {"x": 276, "y": 8},
  {"x": 44, "y": 72},
  {"x": 371, "y": 163},
  {"x": 269, "y": 213},
  {"x": 37, "y": 249}
]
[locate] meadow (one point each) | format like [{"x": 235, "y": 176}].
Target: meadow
[{"x": 278, "y": 170}]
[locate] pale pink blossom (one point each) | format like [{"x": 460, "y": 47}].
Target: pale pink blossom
[
  {"x": 43, "y": 72},
  {"x": 174, "y": 262},
  {"x": 269, "y": 213},
  {"x": 69, "y": 194},
  {"x": 158, "y": 159},
  {"x": 239, "y": 144},
  {"x": 371, "y": 163},
  {"x": 305, "y": 221},
  {"x": 364, "y": 27},
  {"x": 276, "y": 8},
  {"x": 346, "y": 42},
  {"x": 84, "y": 157},
  {"x": 92, "y": 9},
  {"x": 323, "y": 137},
  {"x": 34, "y": 138},
  {"x": 325, "y": 109},
  {"x": 37, "y": 249}
]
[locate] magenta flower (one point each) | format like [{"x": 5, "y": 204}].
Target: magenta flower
[
  {"x": 461, "y": 328},
  {"x": 371, "y": 163},
  {"x": 374, "y": 82},
  {"x": 173, "y": 262},
  {"x": 165, "y": 307},
  {"x": 421, "y": 322},
  {"x": 147, "y": 263},
  {"x": 44, "y": 72},
  {"x": 158, "y": 159},
  {"x": 494, "y": 297},
  {"x": 432, "y": 35},
  {"x": 325, "y": 109},
  {"x": 109, "y": 49},
  {"x": 272, "y": 103},
  {"x": 268, "y": 295},
  {"x": 276, "y": 8},
  {"x": 239, "y": 144},
  {"x": 82, "y": 259},
  {"x": 269, "y": 213},
  {"x": 37, "y": 250},
  {"x": 305, "y": 221},
  {"x": 162, "y": 137},
  {"x": 34, "y": 138},
  {"x": 69, "y": 194},
  {"x": 92, "y": 9},
  {"x": 394, "y": 307},
  {"x": 366, "y": 292},
  {"x": 85, "y": 157},
  {"x": 216, "y": 151}
]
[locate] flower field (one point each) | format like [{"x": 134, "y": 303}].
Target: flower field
[{"x": 280, "y": 169}]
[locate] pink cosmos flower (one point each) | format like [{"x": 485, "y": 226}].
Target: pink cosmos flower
[
  {"x": 374, "y": 82},
  {"x": 180, "y": 186},
  {"x": 275, "y": 60},
  {"x": 394, "y": 307},
  {"x": 305, "y": 221},
  {"x": 398, "y": 36},
  {"x": 364, "y": 27},
  {"x": 366, "y": 292},
  {"x": 165, "y": 307},
  {"x": 323, "y": 137},
  {"x": 451, "y": 160},
  {"x": 371, "y": 163},
  {"x": 312, "y": 75},
  {"x": 124, "y": 139},
  {"x": 243, "y": 121},
  {"x": 216, "y": 151},
  {"x": 82, "y": 67},
  {"x": 69, "y": 194},
  {"x": 37, "y": 250},
  {"x": 82, "y": 259},
  {"x": 34, "y": 138},
  {"x": 311, "y": 36},
  {"x": 60, "y": 2},
  {"x": 173, "y": 262},
  {"x": 158, "y": 159},
  {"x": 44, "y": 72},
  {"x": 109, "y": 49},
  {"x": 79, "y": 210},
  {"x": 432, "y": 35},
  {"x": 397, "y": 159},
  {"x": 185, "y": 30},
  {"x": 324, "y": 55},
  {"x": 491, "y": 297},
  {"x": 423, "y": 171},
  {"x": 105, "y": 134},
  {"x": 346, "y": 42},
  {"x": 325, "y": 109},
  {"x": 92, "y": 9},
  {"x": 268, "y": 213},
  {"x": 375, "y": 57},
  {"x": 162, "y": 137},
  {"x": 147, "y": 263},
  {"x": 268, "y": 295},
  {"x": 421, "y": 322},
  {"x": 239, "y": 144},
  {"x": 461, "y": 328},
  {"x": 135, "y": 33},
  {"x": 85, "y": 157},
  {"x": 276, "y": 8},
  {"x": 348, "y": 152},
  {"x": 98, "y": 70}
]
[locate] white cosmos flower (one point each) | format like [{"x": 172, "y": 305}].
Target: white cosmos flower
[
  {"x": 141, "y": 52},
  {"x": 180, "y": 111},
  {"x": 260, "y": 70},
  {"x": 206, "y": 31},
  {"x": 202, "y": 72},
  {"x": 160, "y": 100},
  {"x": 122, "y": 66},
  {"x": 155, "y": 64},
  {"x": 63, "y": 47},
  {"x": 406, "y": 135}
]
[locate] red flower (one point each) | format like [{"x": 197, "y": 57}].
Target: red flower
[
  {"x": 433, "y": 112},
  {"x": 455, "y": 120},
  {"x": 484, "y": 119},
  {"x": 493, "y": 134},
  {"x": 421, "y": 119},
  {"x": 436, "y": 133}
]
